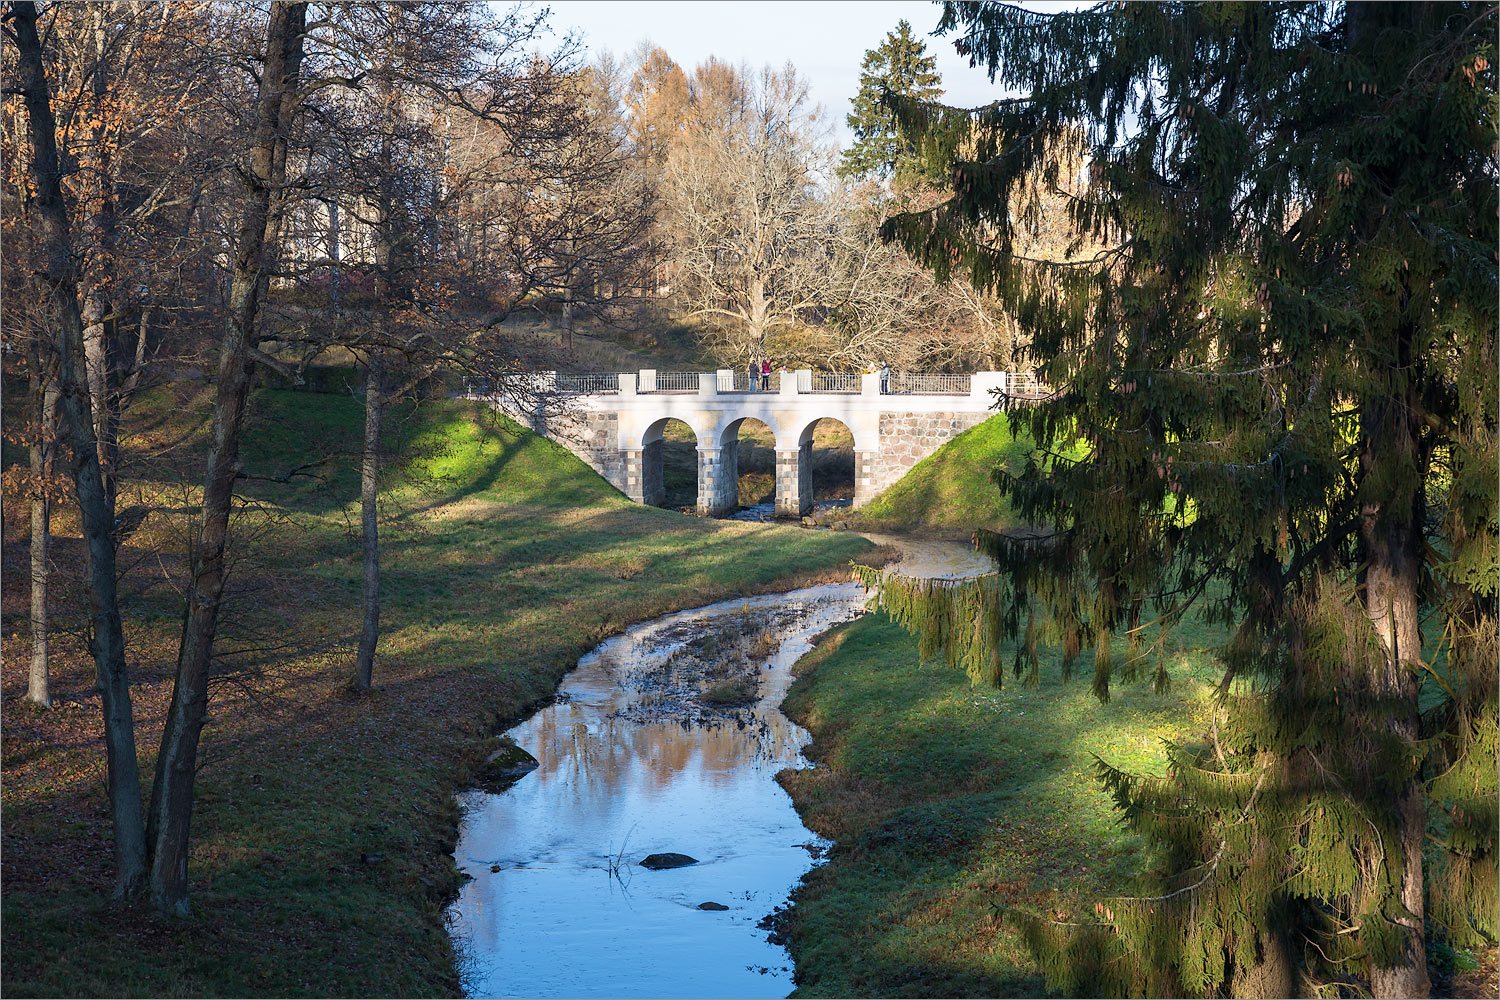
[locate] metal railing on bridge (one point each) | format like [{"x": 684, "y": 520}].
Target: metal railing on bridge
[
  {"x": 906, "y": 383},
  {"x": 807, "y": 381},
  {"x": 606, "y": 383},
  {"x": 832, "y": 382},
  {"x": 736, "y": 381},
  {"x": 1025, "y": 384},
  {"x": 670, "y": 382},
  {"x": 1016, "y": 385}
]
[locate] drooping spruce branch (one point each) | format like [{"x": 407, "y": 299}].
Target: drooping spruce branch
[{"x": 954, "y": 618}]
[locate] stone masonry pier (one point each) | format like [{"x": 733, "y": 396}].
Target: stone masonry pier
[{"x": 614, "y": 422}]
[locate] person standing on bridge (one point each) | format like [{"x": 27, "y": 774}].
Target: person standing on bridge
[
  {"x": 751, "y": 371},
  {"x": 765, "y": 374},
  {"x": 885, "y": 378}
]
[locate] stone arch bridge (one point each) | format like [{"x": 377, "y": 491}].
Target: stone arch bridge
[{"x": 614, "y": 422}]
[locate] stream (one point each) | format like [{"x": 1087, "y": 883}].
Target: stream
[{"x": 664, "y": 739}]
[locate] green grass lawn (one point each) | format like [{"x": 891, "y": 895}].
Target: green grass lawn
[
  {"x": 950, "y": 803},
  {"x": 324, "y": 821}
]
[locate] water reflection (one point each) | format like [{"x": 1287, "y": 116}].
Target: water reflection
[
  {"x": 636, "y": 758},
  {"x": 934, "y": 559},
  {"x": 630, "y": 765}
]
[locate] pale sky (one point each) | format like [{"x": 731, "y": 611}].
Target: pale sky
[{"x": 824, "y": 39}]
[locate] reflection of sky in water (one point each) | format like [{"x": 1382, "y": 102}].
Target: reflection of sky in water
[
  {"x": 553, "y": 921},
  {"x": 935, "y": 558}
]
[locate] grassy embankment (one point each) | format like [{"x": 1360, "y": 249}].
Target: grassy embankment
[
  {"x": 949, "y": 803},
  {"x": 324, "y": 820},
  {"x": 950, "y": 492}
]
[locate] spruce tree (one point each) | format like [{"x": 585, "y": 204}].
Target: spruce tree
[
  {"x": 900, "y": 66},
  {"x": 1275, "y": 403}
]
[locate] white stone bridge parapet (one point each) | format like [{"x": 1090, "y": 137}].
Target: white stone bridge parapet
[{"x": 614, "y": 422}]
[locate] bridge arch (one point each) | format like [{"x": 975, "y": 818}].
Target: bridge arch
[
  {"x": 862, "y": 430},
  {"x": 647, "y": 462},
  {"x": 799, "y": 466},
  {"x": 656, "y": 429},
  {"x": 747, "y": 447}
]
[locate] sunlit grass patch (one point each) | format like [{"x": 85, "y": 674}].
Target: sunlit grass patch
[{"x": 952, "y": 489}]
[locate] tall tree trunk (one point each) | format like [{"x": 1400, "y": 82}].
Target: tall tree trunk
[
  {"x": 1391, "y": 588},
  {"x": 369, "y": 636},
  {"x": 108, "y": 640},
  {"x": 176, "y": 764},
  {"x": 760, "y": 318},
  {"x": 97, "y": 284},
  {"x": 1391, "y": 537},
  {"x": 567, "y": 293},
  {"x": 386, "y": 264},
  {"x": 97, "y": 363},
  {"x": 43, "y": 448}
]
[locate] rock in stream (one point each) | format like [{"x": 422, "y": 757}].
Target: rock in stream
[{"x": 656, "y": 862}]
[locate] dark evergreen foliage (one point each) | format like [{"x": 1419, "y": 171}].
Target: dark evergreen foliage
[
  {"x": 1283, "y": 376},
  {"x": 899, "y": 66}
]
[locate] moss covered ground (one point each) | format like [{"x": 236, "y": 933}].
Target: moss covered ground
[{"x": 324, "y": 820}]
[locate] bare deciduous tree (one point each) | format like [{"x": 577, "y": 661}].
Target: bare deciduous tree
[
  {"x": 749, "y": 230},
  {"x": 476, "y": 174},
  {"x": 264, "y": 173}
]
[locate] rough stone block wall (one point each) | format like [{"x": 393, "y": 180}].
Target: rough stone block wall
[
  {"x": 906, "y": 439},
  {"x": 718, "y": 479},
  {"x": 595, "y": 444},
  {"x": 794, "y": 496}
]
